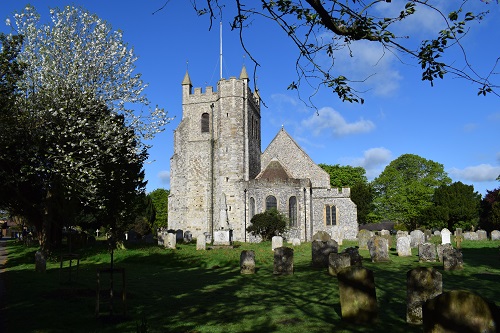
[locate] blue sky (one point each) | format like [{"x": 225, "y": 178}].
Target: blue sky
[{"x": 447, "y": 123}]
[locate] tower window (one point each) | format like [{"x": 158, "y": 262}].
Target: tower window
[
  {"x": 205, "y": 123},
  {"x": 271, "y": 202}
]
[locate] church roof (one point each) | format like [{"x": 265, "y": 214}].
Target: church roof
[
  {"x": 274, "y": 171},
  {"x": 187, "y": 79}
]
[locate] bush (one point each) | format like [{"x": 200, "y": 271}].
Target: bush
[{"x": 268, "y": 224}]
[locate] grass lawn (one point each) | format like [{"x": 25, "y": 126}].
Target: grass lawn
[{"x": 185, "y": 290}]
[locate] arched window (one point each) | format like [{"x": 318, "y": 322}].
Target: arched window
[
  {"x": 330, "y": 215},
  {"x": 205, "y": 123},
  {"x": 292, "y": 211},
  {"x": 271, "y": 202},
  {"x": 252, "y": 207}
]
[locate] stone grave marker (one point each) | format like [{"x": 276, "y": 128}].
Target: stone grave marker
[
  {"x": 437, "y": 233},
  {"x": 427, "y": 252},
  {"x": 171, "y": 241},
  {"x": 247, "y": 262},
  {"x": 162, "y": 238},
  {"x": 482, "y": 235},
  {"x": 422, "y": 284},
  {"x": 188, "y": 237},
  {"x": 401, "y": 233},
  {"x": 379, "y": 249},
  {"x": 440, "y": 250},
  {"x": 295, "y": 241},
  {"x": 358, "y": 300},
  {"x": 40, "y": 262},
  {"x": 283, "y": 261},
  {"x": 460, "y": 311},
  {"x": 276, "y": 241},
  {"x": 417, "y": 238},
  {"x": 337, "y": 262},
  {"x": 363, "y": 237},
  {"x": 427, "y": 235},
  {"x": 322, "y": 236},
  {"x": 445, "y": 236},
  {"x": 201, "y": 242},
  {"x": 356, "y": 258},
  {"x": 320, "y": 251},
  {"x": 452, "y": 259},
  {"x": 458, "y": 232},
  {"x": 495, "y": 235},
  {"x": 179, "y": 236},
  {"x": 337, "y": 234},
  {"x": 384, "y": 232},
  {"x": 222, "y": 237},
  {"x": 470, "y": 235},
  {"x": 403, "y": 246}
]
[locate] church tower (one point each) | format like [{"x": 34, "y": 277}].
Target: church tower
[{"x": 217, "y": 149}]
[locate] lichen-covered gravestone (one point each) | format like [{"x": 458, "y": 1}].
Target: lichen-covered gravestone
[
  {"x": 320, "y": 251},
  {"x": 188, "y": 237},
  {"x": 482, "y": 235},
  {"x": 201, "y": 242},
  {"x": 440, "y": 250},
  {"x": 379, "y": 249},
  {"x": 247, "y": 262},
  {"x": 427, "y": 252},
  {"x": 283, "y": 261},
  {"x": 356, "y": 258},
  {"x": 495, "y": 235},
  {"x": 459, "y": 311},
  {"x": 295, "y": 241},
  {"x": 337, "y": 262},
  {"x": 403, "y": 246},
  {"x": 417, "y": 238},
  {"x": 358, "y": 300},
  {"x": 422, "y": 283},
  {"x": 171, "y": 241},
  {"x": 363, "y": 237},
  {"x": 452, "y": 259}
]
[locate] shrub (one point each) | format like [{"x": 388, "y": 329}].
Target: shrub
[{"x": 268, "y": 224}]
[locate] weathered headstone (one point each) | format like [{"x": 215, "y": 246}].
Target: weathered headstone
[
  {"x": 247, "y": 262},
  {"x": 276, "y": 241},
  {"x": 171, "y": 241},
  {"x": 162, "y": 238},
  {"x": 320, "y": 251},
  {"x": 389, "y": 240},
  {"x": 384, "y": 232},
  {"x": 379, "y": 249},
  {"x": 417, "y": 238},
  {"x": 460, "y": 311},
  {"x": 401, "y": 233},
  {"x": 295, "y": 241},
  {"x": 179, "y": 236},
  {"x": 201, "y": 242},
  {"x": 445, "y": 236},
  {"x": 358, "y": 300},
  {"x": 422, "y": 283},
  {"x": 283, "y": 261},
  {"x": 427, "y": 252},
  {"x": 363, "y": 237},
  {"x": 188, "y": 237},
  {"x": 452, "y": 259},
  {"x": 470, "y": 235},
  {"x": 356, "y": 258},
  {"x": 338, "y": 261},
  {"x": 40, "y": 262},
  {"x": 458, "y": 232},
  {"x": 427, "y": 235},
  {"x": 482, "y": 235},
  {"x": 495, "y": 235},
  {"x": 459, "y": 240},
  {"x": 440, "y": 250},
  {"x": 222, "y": 237},
  {"x": 208, "y": 237},
  {"x": 322, "y": 236},
  {"x": 403, "y": 246},
  {"x": 437, "y": 233},
  {"x": 337, "y": 234}
]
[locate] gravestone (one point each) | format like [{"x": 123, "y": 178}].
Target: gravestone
[
  {"x": 379, "y": 249},
  {"x": 452, "y": 259},
  {"x": 283, "y": 261},
  {"x": 470, "y": 235},
  {"x": 460, "y": 311},
  {"x": 458, "y": 232},
  {"x": 427, "y": 235},
  {"x": 384, "y": 232},
  {"x": 482, "y": 235},
  {"x": 171, "y": 241},
  {"x": 337, "y": 234},
  {"x": 40, "y": 262},
  {"x": 389, "y": 241},
  {"x": 422, "y": 284},
  {"x": 247, "y": 262},
  {"x": 295, "y": 241},
  {"x": 322, "y": 236},
  {"x": 188, "y": 237},
  {"x": 363, "y": 237},
  {"x": 417, "y": 238},
  {"x": 495, "y": 235},
  {"x": 179, "y": 236},
  {"x": 440, "y": 250},
  {"x": 401, "y": 233},
  {"x": 356, "y": 258},
  {"x": 358, "y": 300},
  {"x": 277, "y": 241},
  {"x": 445, "y": 236},
  {"x": 337, "y": 262},
  {"x": 320, "y": 251},
  {"x": 201, "y": 242},
  {"x": 162, "y": 238},
  {"x": 208, "y": 237},
  {"x": 403, "y": 246},
  {"x": 427, "y": 252},
  {"x": 223, "y": 237},
  {"x": 437, "y": 233}
]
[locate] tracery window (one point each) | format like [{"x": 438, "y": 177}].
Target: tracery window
[
  {"x": 330, "y": 215},
  {"x": 292, "y": 211},
  {"x": 271, "y": 202}
]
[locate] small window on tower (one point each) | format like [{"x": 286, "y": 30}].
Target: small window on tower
[{"x": 205, "y": 123}]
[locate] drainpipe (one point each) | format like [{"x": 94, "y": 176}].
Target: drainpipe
[
  {"x": 305, "y": 216},
  {"x": 245, "y": 230}
]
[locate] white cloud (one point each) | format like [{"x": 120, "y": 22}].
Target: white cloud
[
  {"x": 329, "y": 122},
  {"x": 373, "y": 160},
  {"x": 478, "y": 173},
  {"x": 164, "y": 177}
]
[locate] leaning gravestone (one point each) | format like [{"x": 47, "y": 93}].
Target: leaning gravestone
[
  {"x": 337, "y": 262},
  {"x": 403, "y": 246},
  {"x": 171, "y": 241},
  {"x": 320, "y": 251},
  {"x": 363, "y": 237},
  {"x": 379, "y": 249},
  {"x": 460, "y": 311},
  {"x": 247, "y": 262},
  {"x": 440, "y": 250},
  {"x": 427, "y": 252},
  {"x": 201, "y": 242},
  {"x": 452, "y": 259},
  {"x": 283, "y": 261},
  {"x": 445, "y": 236},
  {"x": 356, "y": 258},
  {"x": 417, "y": 238},
  {"x": 358, "y": 300},
  {"x": 495, "y": 235},
  {"x": 422, "y": 283},
  {"x": 482, "y": 235},
  {"x": 276, "y": 241},
  {"x": 322, "y": 236}
]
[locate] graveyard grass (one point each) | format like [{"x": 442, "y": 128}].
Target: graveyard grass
[{"x": 185, "y": 290}]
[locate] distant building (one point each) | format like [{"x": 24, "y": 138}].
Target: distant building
[{"x": 219, "y": 178}]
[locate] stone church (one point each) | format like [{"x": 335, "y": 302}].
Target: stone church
[{"x": 219, "y": 178}]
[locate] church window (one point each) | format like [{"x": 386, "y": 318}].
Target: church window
[
  {"x": 330, "y": 215},
  {"x": 252, "y": 207},
  {"x": 292, "y": 211},
  {"x": 205, "y": 123},
  {"x": 271, "y": 202}
]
